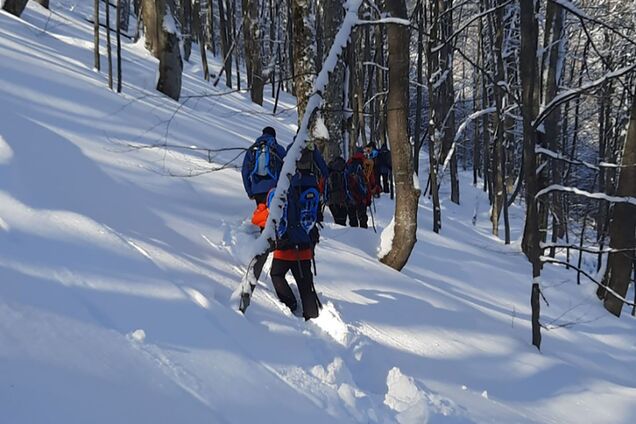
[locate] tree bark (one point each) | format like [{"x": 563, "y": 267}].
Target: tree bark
[
  {"x": 303, "y": 46},
  {"x": 166, "y": 46},
  {"x": 529, "y": 108},
  {"x": 332, "y": 16},
  {"x": 622, "y": 228},
  {"x": 109, "y": 52},
  {"x": 119, "y": 46},
  {"x": 197, "y": 23},
  {"x": 407, "y": 196},
  {"x": 552, "y": 124},
  {"x": 15, "y": 7},
  {"x": 96, "y": 57},
  {"x": 224, "y": 27},
  {"x": 152, "y": 24},
  {"x": 186, "y": 24},
  {"x": 253, "y": 60}
]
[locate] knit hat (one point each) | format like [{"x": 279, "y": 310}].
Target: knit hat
[{"x": 269, "y": 131}]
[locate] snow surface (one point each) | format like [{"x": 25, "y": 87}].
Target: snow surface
[{"x": 116, "y": 275}]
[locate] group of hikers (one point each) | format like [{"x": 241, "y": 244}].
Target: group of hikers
[{"x": 346, "y": 187}]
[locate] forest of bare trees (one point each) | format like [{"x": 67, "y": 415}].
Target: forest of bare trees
[{"x": 534, "y": 99}]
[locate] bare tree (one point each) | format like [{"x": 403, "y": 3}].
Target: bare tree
[
  {"x": 119, "y": 4},
  {"x": 96, "y": 56},
  {"x": 162, "y": 41},
  {"x": 331, "y": 16},
  {"x": 109, "y": 53},
  {"x": 253, "y": 60},
  {"x": 303, "y": 44},
  {"x": 622, "y": 228},
  {"x": 529, "y": 74},
  {"x": 406, "y": 195}
]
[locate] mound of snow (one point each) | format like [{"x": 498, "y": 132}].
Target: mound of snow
[{"x": 405, "y": 398}]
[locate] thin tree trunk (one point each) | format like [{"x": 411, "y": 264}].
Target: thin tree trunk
[
  {"x": 119, "y": 46},
  {"x": 333, "y": 14},
  {"x": 530, "y": 105},
  {"x": 622, "y": 228},
  {"x": 96, "y": 63},
  {"x": 187, "y": 29},
  {"x": 198, "y": 27},
  {"x": 418, "y": 92},
  {"x": 253, "y": 60},
  {"x": 108, "y": 48},
  {"x": 235, "y": 44},
  {"x": 225, "y": 42}
]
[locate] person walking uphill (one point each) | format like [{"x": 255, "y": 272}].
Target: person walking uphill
[
  {"x": 359, "y": 191},
  {"x": 336, "y": 191},
  {"x": 296, "y": 236},
  {"x": 262, "y": 164}
]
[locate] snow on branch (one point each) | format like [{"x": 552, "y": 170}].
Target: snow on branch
[
  {"x": 559, "y": 156},
  {"x": 579, "y": 192},
  {"x": 573, "y": 93},
  {"x": 396, "y": 21},
  {"x": 459, "y": 133},
  {"x": 588, "y": 249}
]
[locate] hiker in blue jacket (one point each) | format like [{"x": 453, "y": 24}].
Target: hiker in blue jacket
[{"x": 262, "y": 164}]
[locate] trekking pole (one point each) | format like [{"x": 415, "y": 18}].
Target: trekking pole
[{"x": 372, "y": 220}]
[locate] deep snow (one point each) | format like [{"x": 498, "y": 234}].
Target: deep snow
[{"x": 116, "y": 276}]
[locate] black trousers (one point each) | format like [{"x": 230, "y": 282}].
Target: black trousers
[
  {"x": 260, "y": 198},
  {"x": 358, "y": 216},
  {"x": 384, "y": 179},
  {"x": 339, "y": 213},
  {"x": 301, "y": 270}
]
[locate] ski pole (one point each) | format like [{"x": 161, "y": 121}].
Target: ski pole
[{"x": 372, "y": 219}]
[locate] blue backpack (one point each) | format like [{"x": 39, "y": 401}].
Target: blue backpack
[
  {"x": 357, "y": 192},
  {"x": 297, "y": 227},
  {"x": 264, "y": 162}
]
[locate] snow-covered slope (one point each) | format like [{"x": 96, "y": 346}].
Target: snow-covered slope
[{"x": 117, "y": 269}]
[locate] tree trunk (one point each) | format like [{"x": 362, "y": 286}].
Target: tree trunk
[
  {"x": 169, "y": 54},
  {"x": 622, "y": 226},
  {"x": 197, "y": 23},
  {"x": 210, "y": 27},
  {"x": 96, "y": 57},
  {"x": 224, "y": 27},
  {"x": 186, "y": 26},
  {"x": 498, "y": 198},
  {"x": 417, "y": 131},
  {"x": 530, "y": 106},
  {"x": 552, "y": 124},
  {"x": 152, "y": 24},
  {"x": 407, "y": 196},
  {"x": 15, "y": 7},
  {"x": 108, "y": 47},
  {"x": 235, "y": 43},
  {"x": 303, "y": 45},
  {"x": 332, "y": 16},
  {"x": 253, "y": 60},
  {"x": 119, "y": 46}
]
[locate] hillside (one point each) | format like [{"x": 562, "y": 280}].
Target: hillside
[{"x": 118, "y": 263}]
